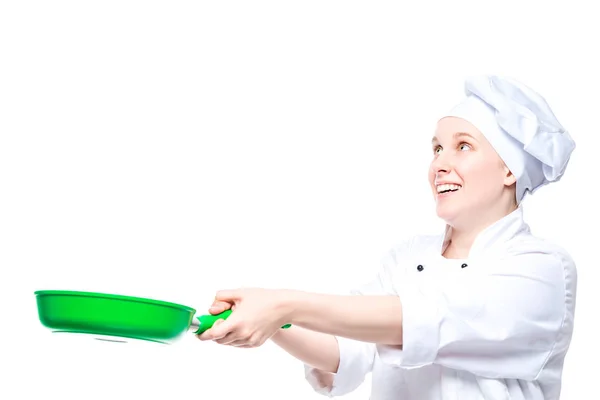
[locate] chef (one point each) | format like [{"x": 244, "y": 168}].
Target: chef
[{"x": 484, "y": 310}]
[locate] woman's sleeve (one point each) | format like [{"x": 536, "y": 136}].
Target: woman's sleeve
[
  {"x": 499, "y": 319},
  {"x": 356, "y": 358},
  {"x": 356, "y": 361}
]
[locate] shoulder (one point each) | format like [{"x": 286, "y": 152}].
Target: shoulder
[
  {"x": 533, "y": 251},
  {"x": 531, "y": 264}
]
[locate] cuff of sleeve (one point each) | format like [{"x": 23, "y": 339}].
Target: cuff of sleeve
[
  {"x": 318, "y": 380},
  {"x": 355, "y": 361},
  {"x": 420, "y": 332}
]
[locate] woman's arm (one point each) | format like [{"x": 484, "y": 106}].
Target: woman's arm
[
  {"x": 333, "y": 366},
  {"x": 260, "y": 313},
  {"x": 316, "y": 349},
  {"x": 375, "y": 319}
]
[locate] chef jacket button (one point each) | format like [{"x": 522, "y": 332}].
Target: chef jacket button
[
  {"x": 419, "y": 267},
  {"x": 464, "y": 265}
]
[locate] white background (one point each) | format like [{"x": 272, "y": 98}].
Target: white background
[{"x": 172, "y": 149}]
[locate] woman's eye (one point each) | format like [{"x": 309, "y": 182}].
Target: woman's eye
[
  {"x": 464, "y": 146},
  {"x": 437, "y": 149}
]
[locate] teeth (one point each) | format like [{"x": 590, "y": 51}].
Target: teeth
[{"x": 445, "y": 188}]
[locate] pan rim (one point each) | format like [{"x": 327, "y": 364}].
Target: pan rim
[{"x": 114, "y": 296}]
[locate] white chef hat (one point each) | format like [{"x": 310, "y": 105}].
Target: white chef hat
[{"x": 521, "y": 127}]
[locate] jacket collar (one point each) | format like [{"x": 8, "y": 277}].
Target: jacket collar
[{"x": 495, "y": 236}]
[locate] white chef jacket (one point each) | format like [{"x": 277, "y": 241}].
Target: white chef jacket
[{"x": 496, "y": 325}]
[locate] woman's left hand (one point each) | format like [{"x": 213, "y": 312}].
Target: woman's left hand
[{"x": 258, "y": 314}]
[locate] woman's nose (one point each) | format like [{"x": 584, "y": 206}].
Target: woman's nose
[{"x": 441, "y": 163}]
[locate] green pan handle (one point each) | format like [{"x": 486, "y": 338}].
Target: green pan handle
[{"x": 205, "y": 322}]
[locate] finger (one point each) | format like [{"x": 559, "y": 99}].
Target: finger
[
  {"x": 218, "y": 322},
  {"x": 254, "y": 340},
  {"x": 210, "y": 334},
  {"x": 222, "y": 328},
  {"x": 233, "y": 333},
  {"x": 206, "y": 335},
  {"x": 219, "y": 306},
  {"x": 240, "y": 345},
  {"x": 215, "y": 332},
  {"x": 227, "y": 339},
  {"x": 229, "y": 296}
]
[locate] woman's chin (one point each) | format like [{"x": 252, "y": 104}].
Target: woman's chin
[{"x": 447, "y": 214}]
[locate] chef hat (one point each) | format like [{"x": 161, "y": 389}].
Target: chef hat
[{"x": 520, "y": 126}]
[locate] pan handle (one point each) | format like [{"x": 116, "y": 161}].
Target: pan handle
[{"x": 205, "y": 322}]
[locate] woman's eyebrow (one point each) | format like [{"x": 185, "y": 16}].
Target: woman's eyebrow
[
  {"x": 463, "y": 134},
  {"x": 457, "y": 135}
]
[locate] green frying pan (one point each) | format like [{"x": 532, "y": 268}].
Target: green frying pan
[{"x": 111, "y": 315}]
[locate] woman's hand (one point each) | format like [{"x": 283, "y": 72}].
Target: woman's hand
[{"x": 257, "y": 315}]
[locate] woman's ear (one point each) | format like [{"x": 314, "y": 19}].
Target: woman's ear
[{"x": 509, "y": 178}]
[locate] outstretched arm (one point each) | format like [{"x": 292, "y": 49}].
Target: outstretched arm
[
  {"x": 316, "y": 349},
  {"x": 259, "y": 314},
  {"x": 375, "y": 319},
  {"x": 334, "y": 365}
]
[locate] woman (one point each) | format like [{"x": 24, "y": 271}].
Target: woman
[{"x": 482, "y": 311}]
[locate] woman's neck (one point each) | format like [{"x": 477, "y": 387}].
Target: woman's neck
[
  {"x": 462, "y": 236},
  {"x": 460, "y": 243}
]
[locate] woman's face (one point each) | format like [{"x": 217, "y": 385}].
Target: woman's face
[{"x": 468, "y": 178}]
